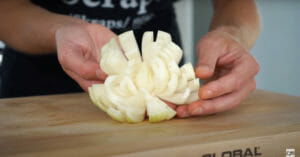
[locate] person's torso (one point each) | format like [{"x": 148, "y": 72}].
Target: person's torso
[
  {"x": 22, "y": 74},
  {"x": 117, "y": 15}
]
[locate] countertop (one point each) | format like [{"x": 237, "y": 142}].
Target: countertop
[{"x": 265, "y": 124}]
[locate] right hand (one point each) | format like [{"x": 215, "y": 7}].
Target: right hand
[{"x": 78, "y": 50}]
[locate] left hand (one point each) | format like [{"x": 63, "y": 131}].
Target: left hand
[{"x": 228, "y": 70}]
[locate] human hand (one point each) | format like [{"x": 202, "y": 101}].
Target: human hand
[
  {"x": 228, "y": 71},
  {"x": 78, "y": 51}
]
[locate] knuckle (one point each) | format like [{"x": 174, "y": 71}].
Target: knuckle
[
  {"x": 219, "y": 87},
  {"x": 253, "y": 86},
  {"x": 60, "y": 55},
  {"x": 62, "y": 58},
  {"x": 209, "y": 41},
  {"x": 257, "y": 67},
  {"x": 64, "y": 52},
  {"x": 255, "y": 64}
]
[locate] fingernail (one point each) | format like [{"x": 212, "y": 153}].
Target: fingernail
[
  {"x": 184, "y": 114},
  {"x": 202, "y": 68},
  {"x": 197, "y": 111}
]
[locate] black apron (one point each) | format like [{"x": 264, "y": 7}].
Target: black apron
[{"x": 28, "y": 75}]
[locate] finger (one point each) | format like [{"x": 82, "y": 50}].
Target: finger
[
  {"x": 83, "y": 83},
  {"x": 243, "y": 70},
  {"x": 101, "y": 74},
  {"x": 208, "y": 56},
  {"x": 222, "y": 103},
  {"x": 182, "y": 111},
  {"x": 223, "y": 85},
  {"x": 246, "y": 65},
  {"x": 80, "y": 62}
]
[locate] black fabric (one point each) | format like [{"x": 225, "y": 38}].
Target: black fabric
[{"x": 27, "y": 75}]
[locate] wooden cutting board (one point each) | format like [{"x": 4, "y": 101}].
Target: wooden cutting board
[{"x": 265, "y": 124}]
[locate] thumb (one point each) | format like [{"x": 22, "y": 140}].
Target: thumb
[{"x": 207, "y": 58}]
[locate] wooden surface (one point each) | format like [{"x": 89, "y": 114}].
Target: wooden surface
[{"x": 69, "y": 125}]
